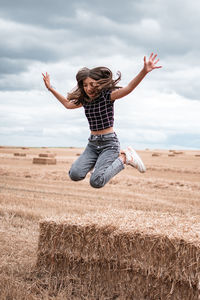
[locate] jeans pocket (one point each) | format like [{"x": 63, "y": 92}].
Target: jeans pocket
[{"x": 113, "y": 144}]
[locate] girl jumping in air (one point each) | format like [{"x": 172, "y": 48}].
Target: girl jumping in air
[{"x": 96, "y": 92}]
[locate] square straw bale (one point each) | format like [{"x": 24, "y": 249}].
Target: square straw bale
[
  {"x": 156, "y": 154},
  {"x": 128, "y": 255},
  {"x": 19, "y": 154},
  {"x": 46, "y": 155},
  {"x": 44, "y": 161}
]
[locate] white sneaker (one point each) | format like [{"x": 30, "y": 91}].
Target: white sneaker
[{"x": 133, "y": 159}]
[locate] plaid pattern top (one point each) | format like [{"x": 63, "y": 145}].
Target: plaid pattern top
[{"x": 100, "y": 112}]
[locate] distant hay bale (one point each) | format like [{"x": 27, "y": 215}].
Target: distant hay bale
[
  {"x": 130, "y": 256},
  {"x": 46, "y": 155},
  {"x": 197, "y": 155},
  {"x": 171, "y": 154},
  {"x": 178, "y": 152},
  {"x": 44, "y": 161},
  {"x": 19, "y": 154},
  {"x": 156, "y": 154}
]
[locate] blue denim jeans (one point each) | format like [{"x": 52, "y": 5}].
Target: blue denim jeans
[{"x": 102, "y": 157}]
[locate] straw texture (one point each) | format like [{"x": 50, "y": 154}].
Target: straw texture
[{"x": 123, "y": 256}]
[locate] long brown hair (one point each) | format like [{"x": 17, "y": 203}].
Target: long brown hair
[{"x": 102, "y": 75}]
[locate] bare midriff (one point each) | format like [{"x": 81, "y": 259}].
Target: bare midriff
[{"x": 103, "y": 131}]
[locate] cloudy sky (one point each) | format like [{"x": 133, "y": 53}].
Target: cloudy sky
[{"x": 62, "y": 36}]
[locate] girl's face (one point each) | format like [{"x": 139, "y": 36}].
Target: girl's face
[{"x": 89, "y": 85}]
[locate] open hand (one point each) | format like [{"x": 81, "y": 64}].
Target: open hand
[
  {"x": 151, "y": 63},
  {"x": 46, "y": 79}
]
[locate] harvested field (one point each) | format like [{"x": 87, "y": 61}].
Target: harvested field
[{"x": 159, "y": 209}]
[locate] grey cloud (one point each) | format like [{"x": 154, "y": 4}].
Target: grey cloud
[
  {"x": 180, "y": 74},
  {"x": 27, "y": 42},
  {"x": 30, "y": 51},
  {"x": 72, "y": 27},
  {"x": 35, "y": 12},
  {"x": 45, "y": 12},
  {"x": 9, "y": 66}
]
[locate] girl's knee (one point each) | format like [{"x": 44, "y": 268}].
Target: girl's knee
[
  {"x": 97, "y": 181},
  {"x": 75, "y": 175}
]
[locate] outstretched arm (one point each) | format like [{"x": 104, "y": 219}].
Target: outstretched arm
[
  {"x": 149, "y": 65},
  {"x": 68, "y": 104}
]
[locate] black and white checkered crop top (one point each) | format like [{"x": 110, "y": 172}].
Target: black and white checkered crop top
[{"x": 100, "y": 111}]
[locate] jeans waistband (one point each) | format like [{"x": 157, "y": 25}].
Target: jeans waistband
[{"x": 98, "y": 137}]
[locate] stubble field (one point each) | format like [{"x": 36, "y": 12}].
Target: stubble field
[{"x": 32, "y": 192}]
